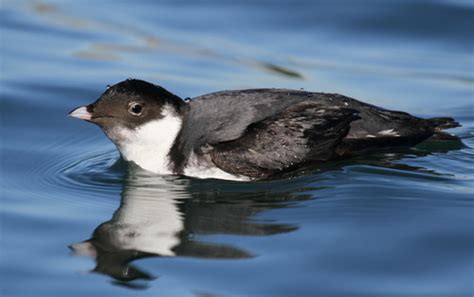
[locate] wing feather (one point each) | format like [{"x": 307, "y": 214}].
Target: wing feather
[{"x": 305, "y": 132}]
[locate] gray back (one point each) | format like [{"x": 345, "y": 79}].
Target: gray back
[{"x": 224, "y": 116}]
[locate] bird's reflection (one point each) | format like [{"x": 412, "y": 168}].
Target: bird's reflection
[
  {"x": 165, "y": 216},
  {"x": 170, "y": 216}
]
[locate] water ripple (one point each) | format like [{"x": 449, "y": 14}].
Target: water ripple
[{"x": 96, "y": 171}]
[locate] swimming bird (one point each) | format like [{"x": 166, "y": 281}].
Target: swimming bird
[{"x": 246, "y": 134}]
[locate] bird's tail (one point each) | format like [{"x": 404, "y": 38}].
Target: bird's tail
[
  {"x": 439, "y": 137},
  {"x": 443, "y": 123}
]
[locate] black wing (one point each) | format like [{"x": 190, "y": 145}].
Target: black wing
[{"x": 305, "y": 132}]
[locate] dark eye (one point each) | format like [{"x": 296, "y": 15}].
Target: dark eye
[{"x": 135, "y": 108}]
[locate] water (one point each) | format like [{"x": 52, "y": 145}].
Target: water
[{"x": 75, "y": 221}]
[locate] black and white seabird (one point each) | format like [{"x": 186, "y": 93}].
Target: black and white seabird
[{"x": 246, "y": 134}]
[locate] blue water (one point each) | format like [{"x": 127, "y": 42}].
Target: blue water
[{"x": 77, "y": 221}]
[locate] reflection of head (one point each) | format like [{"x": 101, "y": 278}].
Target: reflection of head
[
  {"x": 147, "y": 223},
  {"x": 112, "y": 263},
  {"x": 160, "y": 216}
]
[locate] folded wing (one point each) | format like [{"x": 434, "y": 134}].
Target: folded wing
[{"x": 305, "y": 132}]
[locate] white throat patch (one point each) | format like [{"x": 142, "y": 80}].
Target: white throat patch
[{"x": 148, "y": 145}]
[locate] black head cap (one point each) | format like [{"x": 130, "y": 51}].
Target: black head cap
[{"x": 133, "y": 102}]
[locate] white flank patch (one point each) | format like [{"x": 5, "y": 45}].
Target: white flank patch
[
  {"x": 389, "y": 132},
  {"x": 148, "y": 146},
  {"x": 370, "y": 136},
  {"x": 200, "y": 170}
]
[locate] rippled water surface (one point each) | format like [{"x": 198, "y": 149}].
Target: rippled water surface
[{"x": 77, "y": 221}]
